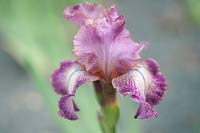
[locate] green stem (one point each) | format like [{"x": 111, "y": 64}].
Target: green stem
[{"x": 109, "y": 114}]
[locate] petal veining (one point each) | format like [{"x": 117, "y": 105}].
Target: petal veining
[
  {"x": 69, "y": 77},
  {"x": 106, "y": 46},
  {"x": 145, "y": 84},
  {"x": 65, "y": 81},
  {"x": 67, "y": 108},
  {"x": 145, "y": 111}
]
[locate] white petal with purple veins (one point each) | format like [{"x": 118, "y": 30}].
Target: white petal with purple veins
[
  {"x": 65, "y": 81},
  {"x": 145, "y": 85}
]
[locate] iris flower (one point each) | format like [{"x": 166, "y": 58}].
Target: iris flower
[{"x": 107, "y": 55}]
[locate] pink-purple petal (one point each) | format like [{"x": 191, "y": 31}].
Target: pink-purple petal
[
  {"x": 145, "y": 84},
  {"x": 84, "y": 13},
  {"x": 65, "y": 81},
  {"x": 111, "y": 13},
  {"x": 134, "y": 81},
  {"x": 106, "y": 47},
  {"x": 158, "y": 88},
  {"x": 58, "y": 78},
  {"x": 67, "y": 78},
  {"x": 145, "y": 111},
  {"x": 67, "y": 108}
]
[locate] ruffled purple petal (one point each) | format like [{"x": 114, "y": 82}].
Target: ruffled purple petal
[
  {"x": 65, "y": 81},
  {"x": 106, "y": 46},
  {"x": 84, "y": 13},
  {"x": 111, "y": 13},
  {"x": 58, "y": 78},
  {"x": 69, "y": 77},
  {"x": 145, "y": 84},
  {"x": 145, "y": 111},
  {"x": 158, "y": 88},
  {"x": 67, "y": 108}
]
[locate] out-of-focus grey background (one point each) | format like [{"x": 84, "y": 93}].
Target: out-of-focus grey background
[
  {"x": 175, "y": 43},
  {"x": 174, "y": 40}
]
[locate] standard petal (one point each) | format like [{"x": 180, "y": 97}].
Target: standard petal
[
  {"x": 111, "y": 13},
  {"x": 145, "y": 84},
  {"x": 69, "y": 77},
  {"x": 84, "y": 13},
  {"x": 67, "y": 107},
  {"x": 106, "y": 48}
]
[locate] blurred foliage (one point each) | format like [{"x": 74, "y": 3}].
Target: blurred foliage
[
  {"x": 38, "y": 38},
  {"x": 194, "y": 9}
]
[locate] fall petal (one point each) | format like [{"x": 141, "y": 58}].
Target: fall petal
[
  {"x": 131, "y": 83},
  {"x": 158, "y": 89},
  {"x": 145, "y": 84},
  {"x": 67, "y": 78},
  {"x": 145, "y": 111},
  {"x": 65, "y": 81},
  {"x": 67, "y": 108}
]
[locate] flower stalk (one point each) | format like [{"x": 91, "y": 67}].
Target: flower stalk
[{"x": 109, "y": 113}]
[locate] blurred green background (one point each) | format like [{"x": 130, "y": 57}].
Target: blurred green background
[{"x": 34, "y": 38}]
